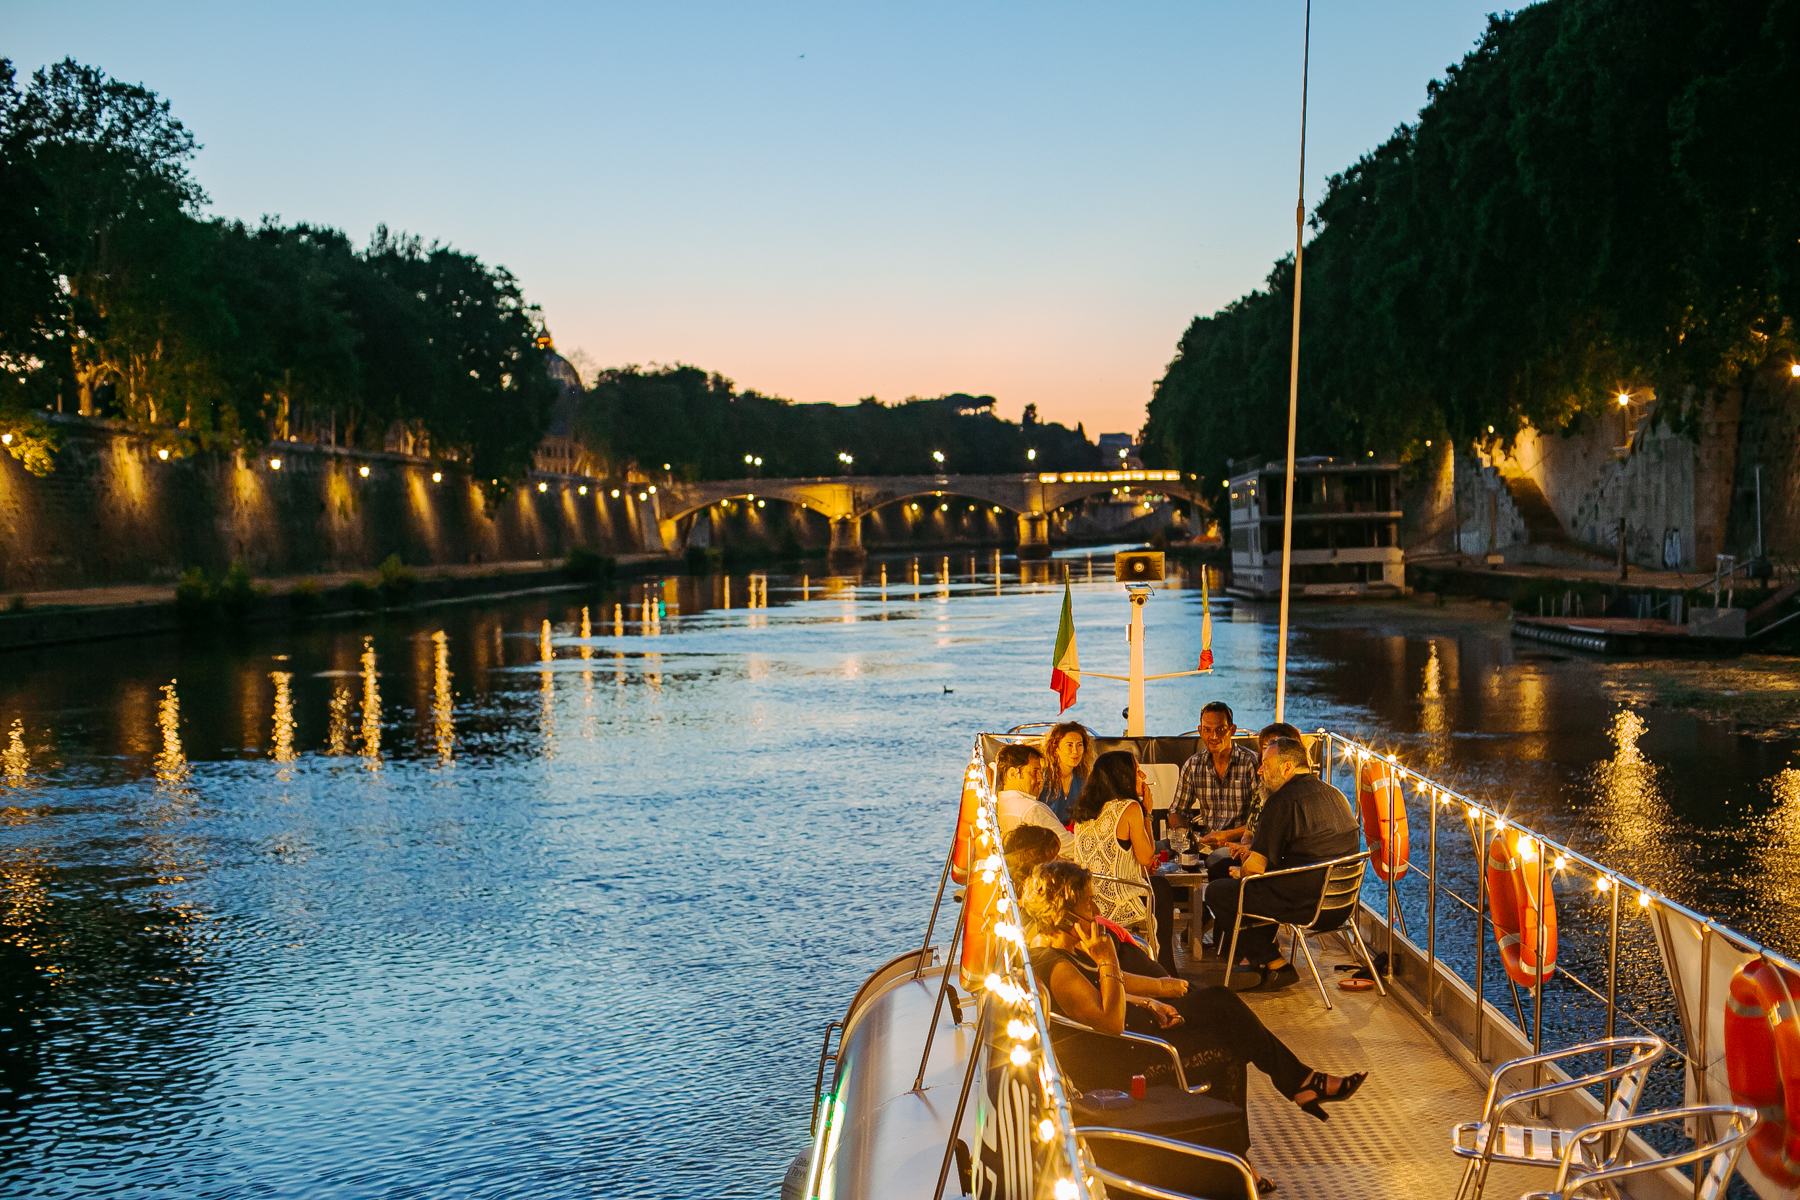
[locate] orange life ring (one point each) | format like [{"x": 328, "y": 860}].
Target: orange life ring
[
  {"x": 963, "y": 852},
  {"x": 1513, "y": 880},
  {"x": 1383, "y": 818},
  {"x": 1762, "y": 1063},
  {"x": 978, "y": 923}
]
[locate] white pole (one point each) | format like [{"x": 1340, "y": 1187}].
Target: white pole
[
  {"x": 1134, "y": 720},
  {"x": 1287, "y": 519}
]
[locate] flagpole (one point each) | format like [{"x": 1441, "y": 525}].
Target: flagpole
[{"x": 1287, "y": 517}]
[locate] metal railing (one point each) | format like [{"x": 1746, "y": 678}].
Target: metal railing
[{"x": 1557, "y": 864}]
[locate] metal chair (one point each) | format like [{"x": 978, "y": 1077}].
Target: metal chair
[
  {"x": 1151, "y": 932},
  {"x": 1142, "y": 1039},
  {"x": 1340, "y": 885},
  {"x": 1113, "y": 1180},
  {"x": 1491, "y": 1140},
  {"x": 1722, "y": 1149}
]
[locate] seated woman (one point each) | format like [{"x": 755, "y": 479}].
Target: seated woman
[
  {"x": 1029, "y": 847},
  {"x": 1112, "y": 838},
  {"x": 1069, "y": 751},
  {"x": 1213, "y": 1031}
]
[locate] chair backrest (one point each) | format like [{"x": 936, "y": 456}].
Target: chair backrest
[
  {"x": 1631, "y": 1084},
  {"x": 1733, "y": 1125},
  {"x": 1162, "y": 778},
  {"x": 1341, "y": 885}
]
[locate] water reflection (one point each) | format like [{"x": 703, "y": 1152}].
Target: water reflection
[
  {"x": 15, "y": 762},
  {"x": 443, "y": 725},
  {"x": 337, "y": 738},
  {"x": 283, "y": 749},
  {"x": 371, "y": 708},
  {"x": 171, "y": 763}
]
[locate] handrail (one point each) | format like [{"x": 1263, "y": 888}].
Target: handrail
[
  {"x": 1057, "y": 1018},
  {"x": 1100, "y": 1133}
]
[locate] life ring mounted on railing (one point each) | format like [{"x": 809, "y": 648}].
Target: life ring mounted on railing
[
  {"x": 1762, "y": 1063},
  {"x": 1515, "y": 873},
  {"x": 1383, "y": 810}
]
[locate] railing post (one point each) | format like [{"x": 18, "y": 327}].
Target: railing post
[
  {"x": 1431, "y": 802},
  {"x": 1537, "y": 1015},
  {"x": 1480, "y": 831},
  {"x": 931, "y": 925},
  {"x": 962, "y": 1101},
  {"x": 931, "y": 1029},
  {"x": 1612, "y": 984}
]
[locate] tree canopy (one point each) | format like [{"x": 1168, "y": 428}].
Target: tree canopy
[
  {"x": 1595, "y": 200},
  {"x": 119, "y": 298},
  {"x": 704, "y": 427}
]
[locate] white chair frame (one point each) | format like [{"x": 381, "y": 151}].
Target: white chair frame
[
  {"x": 1339, "y": 888},
  {"x": 1491, "y": 1140},
  {"x": 1723, "y": 1150}
]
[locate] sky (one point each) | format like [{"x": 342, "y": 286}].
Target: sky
[{"x": 821, "y": 201}]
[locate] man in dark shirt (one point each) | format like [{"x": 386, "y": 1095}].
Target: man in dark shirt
[{"x": 1305, "y": 820}]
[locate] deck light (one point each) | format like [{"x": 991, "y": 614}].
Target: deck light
[
  {"x": 274, "y": 464},
  {"x": 1643, "y": 899},
  {"x": 364, "y": 472},
  {"x": 1603, "y": 884},
  {"x": 1020, "y": 1031},
  {"x": 1065, "y": 1189},
  {"x": 162, "y": 454},
  {"x": 1020, "y": 1056},
  {"x": 1561, "y": 863},
  {"x": 437, "y": 477},
  {"x": 1473, "y": 812},
  {"x": 1046, "y": 1130}
]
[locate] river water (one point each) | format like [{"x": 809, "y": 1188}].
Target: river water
[{"x": 461, "y": 903}]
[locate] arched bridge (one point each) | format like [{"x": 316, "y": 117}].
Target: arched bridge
[{"x": 846, "y": 500}]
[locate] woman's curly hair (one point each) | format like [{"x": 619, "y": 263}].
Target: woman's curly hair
[{"x": 1051, "y": 891}]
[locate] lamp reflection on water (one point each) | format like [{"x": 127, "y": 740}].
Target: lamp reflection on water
[
  {"x": 442, "y": 726},
  {"x": 15, "y": 762},
  {"x": 171, "y": 763},
  {"x": 1633, "y": 813},
  {"x": 283, "y": 749},
  {"x": 337, "y": 736},
  {"x": 371, "y": 708}
]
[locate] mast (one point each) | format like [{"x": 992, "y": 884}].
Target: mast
[{"x": 1287, "y": 516}]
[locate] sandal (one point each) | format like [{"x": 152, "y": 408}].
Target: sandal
[
  {"x": 1347, "y": 1086},
  {"x": 1265, "y": 1185}
]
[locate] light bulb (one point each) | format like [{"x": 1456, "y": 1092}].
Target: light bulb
[
  {"x": 542, "y": 487},
  {"x": 437, "y": 477},
  {"x": 1603, "y": 884},
  {"x": 1064, "y": 1189},
  {"x": 1020, "y": 1056},
  {"x": 1046, "y": 1129},
  {"x": 274, "y": 464},
  {"x": 1643, "y": 899},
  {"x": 364, "y": 472}
]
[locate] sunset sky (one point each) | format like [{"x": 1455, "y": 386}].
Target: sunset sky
[{"x": 820, "y": 201}]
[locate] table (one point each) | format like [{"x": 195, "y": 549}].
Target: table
[{"x": 1195, "y": 880}]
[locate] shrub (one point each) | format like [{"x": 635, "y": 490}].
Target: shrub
[
  {"x": 587, "y": 566},
  {"x": 395, "y": 580},
  {"x": 361, "y": 594},
  {"x": 306, "y": 597}
]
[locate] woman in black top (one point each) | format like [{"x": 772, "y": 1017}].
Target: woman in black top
[{"x": 1211, "y": 1028}]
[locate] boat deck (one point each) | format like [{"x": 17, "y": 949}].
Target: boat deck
[{"x": 1393, "y": 1139}]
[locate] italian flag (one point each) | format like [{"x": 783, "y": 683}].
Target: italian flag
[
  {"x": 1206, "y": 660},
  {"x": 1065, "y": 668}
]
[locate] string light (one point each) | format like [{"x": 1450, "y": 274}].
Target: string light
[
  {"x": 1643, "y": 899},
  {"x": 1046, "y": 1130},
  {"x": 1020, "y": 1031},
  {"x": 1562, "y": 862},
  {"x": 1019, "y": 1056},
  {"x": 1603, "y": 884},
  {"x": 1065, "y": 1189}
]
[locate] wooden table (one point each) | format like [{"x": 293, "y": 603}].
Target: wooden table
[{"x": 1195, "y": 880}]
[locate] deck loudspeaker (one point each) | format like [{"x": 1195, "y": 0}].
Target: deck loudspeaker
[{"x": 1138, "y": 566}]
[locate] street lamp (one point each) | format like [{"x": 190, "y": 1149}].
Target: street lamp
[
  {"x": 1624, "y": 399},
  {"x": 939, "y": 456},
  {"x": 1031, "y": 455},
  {"x": 846, "y": 458}
]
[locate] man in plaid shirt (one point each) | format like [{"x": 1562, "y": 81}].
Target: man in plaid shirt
[{"x": 1218, "y": 784}]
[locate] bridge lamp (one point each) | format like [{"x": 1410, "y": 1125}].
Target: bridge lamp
[
  {"x": 1031, "y": 455},
  {"x": 653, "y": 489},
  {"x": 943, "y": 508},
  {"x": 542, "y": 487},
  {"x": 747, "y": 458},
  {"x": 1122, "y": 452},
  {"x": 641, "y": 496},
  {"x": 615, "y": 493},
  {"x": 759, "y": 462},
  {"x": 437, "y": 477},
  {"x": 582, "y": 490},
  {"x": 274, "y": 464},
  {"x": 363, "y": 471},
  {"x": 938, "y": 454},
  {"x": 760, "y": 503}
]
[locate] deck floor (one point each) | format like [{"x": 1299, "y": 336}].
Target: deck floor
[{"x": 1393, "y": 1139}]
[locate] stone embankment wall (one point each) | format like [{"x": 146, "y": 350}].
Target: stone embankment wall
[
  {"x": 113, "y": 512},
  {"x": 1557, "y": 500}
]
